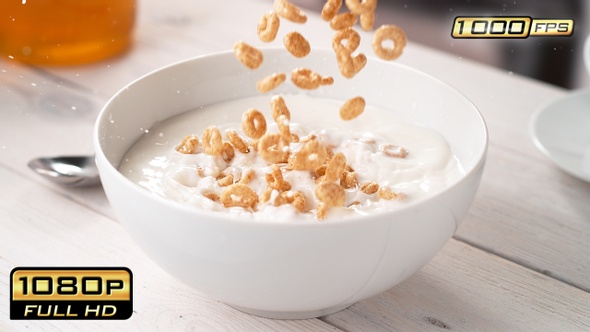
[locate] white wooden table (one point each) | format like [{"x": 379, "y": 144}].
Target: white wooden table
[{"x": 520, "y": 261}]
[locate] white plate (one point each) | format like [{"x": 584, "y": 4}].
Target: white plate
[{"x": 561, "y": 130}]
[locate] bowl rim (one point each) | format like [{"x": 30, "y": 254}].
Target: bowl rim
[{"x": 480, "y": 157}]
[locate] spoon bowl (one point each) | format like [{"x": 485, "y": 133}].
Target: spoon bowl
[{"x": 73, "y": 171}]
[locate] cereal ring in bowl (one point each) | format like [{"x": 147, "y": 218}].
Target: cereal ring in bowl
[{"x": 287, "y": 263}]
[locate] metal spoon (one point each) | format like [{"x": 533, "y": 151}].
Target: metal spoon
[{"x": 73, "y": 171}]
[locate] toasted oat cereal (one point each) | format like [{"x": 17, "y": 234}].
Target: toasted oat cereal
[
  {"x": 247, "y": 176},
  {"x": 268, "y": 26},
  {"x": 278, "y": 107},
  {"x": 343, "y": 21},
  {"x": 281, "y": 199},
  {"x": 361, "y": 6},
  {"x": 348, "y": 64},
  {"x": 335, "y": 167},
  {"x": 367, "y": 20},
  {"x": 239, "y": 195},
  {"x": 296, "y": 44},
  {"x": 311, "y": 156},
  {"x": 289, "y": 11},
  {"x": 352, "y": 38},
  {"x": 394, "y": 151},
  {"x": 307, "y": 79},
  {"x": 253, "y": 123},
  {"x": 275, "y": 179},
  {"x": 386, "y": 193},
  {"x": 227, "y": 152},
  {"x": 370, "y": 188},
  {"x": 392, "y": 33},
  {"x": 189, "y": 144},
  {"x": 330, "y": 194},
  {"x": 298, "y": 201},
  {"x": 284, "y": 129},
  {"x": 322, "y": 211},
  {"x": 271, "y": 82},
  {"x": 265, "y": 195},
  {"x": 249, "y": 56},
  {"x": 212, "y": 196},
  {"x": 211, "y": 140},
  {"x": 352, "y": 108},
  {"x": 273, "y": 149},
  {"x": 330, "y": 9},
  {"x": 234, "y": 138},
  {"x": 348, "y": 179},
  {"x": 224, "y": 180}
]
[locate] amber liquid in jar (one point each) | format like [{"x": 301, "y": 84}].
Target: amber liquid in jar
[{"x": 65, "y": 32}]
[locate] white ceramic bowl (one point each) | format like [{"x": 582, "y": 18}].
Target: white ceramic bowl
[{"x": 288, "y": 270}]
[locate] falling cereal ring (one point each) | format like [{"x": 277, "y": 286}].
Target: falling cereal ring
[
  {"x": 393, "y": 33},
  {"x": 253, "y": 123}
]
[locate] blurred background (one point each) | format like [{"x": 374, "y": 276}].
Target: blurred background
[{"x": 555, "y": 60}]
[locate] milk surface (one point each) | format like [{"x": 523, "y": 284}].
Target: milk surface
[{"x": 430, "y": 166}]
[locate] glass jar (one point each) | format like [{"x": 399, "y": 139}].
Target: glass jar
[{"x": 65, "y": 32}]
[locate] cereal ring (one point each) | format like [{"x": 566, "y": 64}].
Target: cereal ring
[
  {"x": 331, "y": 194},
  {"x": 247, "y": 176},
  {"x": 237, "y": 141},
  {"x": 212, "y": 196},
  {"x": 386, "y": 193},
  {"x": 275, "y": 179},
  {"x": 272, "y": 148},
  {"x": 350, "y": 65},
  {"x": 189, "y": 144},
  {"x": 352, "y": 37},
  {"x": 298, "y": 201},
  {"x": 335, "y": 167},
  {"x": 343, "y": 21},
  {"x": 367, "y": 20},
  {"x": 370, "y": 188},
  {"x": 253, "y": 123},
  {"x": 249, "y": 56},
  {"x": 305, "y": 78},
  {"x": 289, "y": 11},
  {"x": 268, "y": 26},
  {"x": 394, "y": 151},
  {"x": 227, "y": 152},
  {"x": 296, "y": 44},
  {"x": 310, "y": 157},
  {"x": 345, "y": 63},
  {"x": 348, "y": 179},
  {"x": 321, "y": 171},
  {"x": 352, "y": 108},
  {"x": 212, "y": 143},
  {"x": 330, "y": 9},
  {"x": 284, "y": 130},
  {"x": 270, "y": 82},
  {"x": 278, "y": 107},
  {"x": 265, "y": 195},
  {"x": 389, "y": 32},
  {"x": 239, "y": 195},
  {"x": 361, "y": 6},
  {"x": 224, "y": 180},
  {"x": 359, "y": 60},
  {"x": 322, "y": 210},
  {"x": 281, "y": 199}
]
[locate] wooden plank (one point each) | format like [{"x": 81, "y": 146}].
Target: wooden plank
[
  {"x": 466, "y": 289},
  {"x": 42, "y": 228},
  {"x": 532, "y": 213}
]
